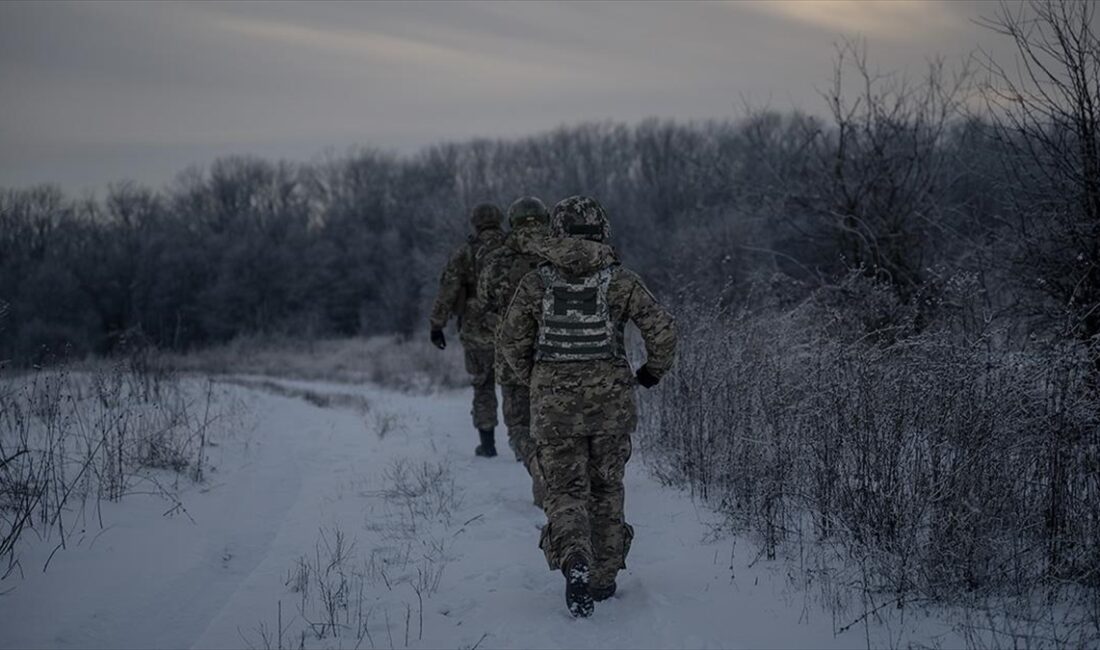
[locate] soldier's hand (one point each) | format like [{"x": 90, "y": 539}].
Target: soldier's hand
[
  {"x": 646, "y": 378},
  {"x": 438, "y": 340}
]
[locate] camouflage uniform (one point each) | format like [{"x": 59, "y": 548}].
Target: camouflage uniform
[
  {"x": 457, "y": 295},
  {"x": 501, "y": 274},
  {"x": 583, "y": 411}
]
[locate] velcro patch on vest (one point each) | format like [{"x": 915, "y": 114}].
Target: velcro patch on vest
[{"x": 582, "y": 300}]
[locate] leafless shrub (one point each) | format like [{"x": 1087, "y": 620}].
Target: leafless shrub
[
  {"x": 426, "y": 491},
  {"x": 925, "y": 467}
]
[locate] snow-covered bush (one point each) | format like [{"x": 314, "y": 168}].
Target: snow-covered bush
[{"x": 924, "y": 463}]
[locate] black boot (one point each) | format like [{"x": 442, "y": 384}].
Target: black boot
[
  {"x": 602, "y": 593},
  {"x": 577, "y": 597},
  {"x": 488, "y": 446}
]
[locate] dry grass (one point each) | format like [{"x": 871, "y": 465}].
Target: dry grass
[
  {"x": 372, "y": 592},
  {"x": 71, "y": 439}
]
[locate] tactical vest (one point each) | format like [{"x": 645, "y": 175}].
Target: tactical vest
[
  {"x": 576, "y": 318},
  {"x": 477, "y": 250}
]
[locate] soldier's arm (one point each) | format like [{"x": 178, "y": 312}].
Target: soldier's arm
[
  {"x": 450, "y": 285},
  {"x": 656, "y": 324},
  {"x": 518, "y": 330}
]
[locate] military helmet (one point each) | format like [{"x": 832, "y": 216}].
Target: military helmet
[
  {"x": 528, "y": 210},
  {"x": 582, "y": 217},
  {"x": 486, "y": 216}
]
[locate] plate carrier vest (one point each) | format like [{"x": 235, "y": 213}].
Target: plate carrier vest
[{"x": 576, "y": 319}]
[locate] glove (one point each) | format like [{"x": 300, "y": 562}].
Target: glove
[
  {"x": 646, "y": 378},
  {"x": 438, "y": 340}
]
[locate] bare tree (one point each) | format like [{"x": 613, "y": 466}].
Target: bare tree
[
  {"x": 882, "y": 165},
  {"x": 1045, "y": 114}
]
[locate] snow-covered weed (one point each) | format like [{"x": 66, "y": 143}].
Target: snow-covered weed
[
  {"x": 69, "y": 439},
  {"x": 372, "y": 591},
  {"x": 298, "y": 577},
  {"x": 333, "y": 578},
  {"x": 422, "y": 493},
  {"x": 386, "y": 422}
]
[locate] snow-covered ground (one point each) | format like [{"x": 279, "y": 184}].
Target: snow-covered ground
[{"x": 256, "y": 546}]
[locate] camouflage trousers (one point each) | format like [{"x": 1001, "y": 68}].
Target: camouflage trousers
[
  {"x": 584, "y": 503},
  {"x": 517, "y": 417},
  {"x": 479, "y": 364}
]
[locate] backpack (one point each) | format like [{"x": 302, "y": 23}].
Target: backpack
[{"x": 479, "y": 252}]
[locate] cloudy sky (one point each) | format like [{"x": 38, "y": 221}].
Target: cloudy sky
[{"x": 96, "y": 92}]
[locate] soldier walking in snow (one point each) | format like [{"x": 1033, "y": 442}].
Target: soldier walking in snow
[
  {"x": 457, "y": 296},
  {"x": 503, "y": 270},
  {"x": 563, "y": 335}
]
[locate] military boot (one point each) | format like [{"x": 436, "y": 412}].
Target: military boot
[
  {"x": 488, "y": 446},
  {"x": 603, "y": 593},
  {"x": 577, "y": 596}
]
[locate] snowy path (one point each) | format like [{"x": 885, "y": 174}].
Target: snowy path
[{"x": 156, "y": 581}]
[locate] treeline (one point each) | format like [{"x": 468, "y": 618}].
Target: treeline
[
  {"x": 354, "y": 245},
  {"x": 351, "y": 245}
]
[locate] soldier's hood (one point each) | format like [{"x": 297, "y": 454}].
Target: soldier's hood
[
  {"x": 572, "y": 255},
  {"x": 488, "y": 235},
  {"x": 487, "y": 227},
  {"x": 518, "y": 239},
  {"x": 514, "y": 240}
]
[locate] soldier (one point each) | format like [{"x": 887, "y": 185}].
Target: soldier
[
  {"x": 503, "y": 270},
  {"x": 563, "y": 335},
  {"x": 457, "y": 293}
]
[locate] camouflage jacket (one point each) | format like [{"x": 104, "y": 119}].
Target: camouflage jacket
[
  {"x": 500, "y": 275},
  {"x": 583, "y": 398},
  {"x": 458, "y": 290}
]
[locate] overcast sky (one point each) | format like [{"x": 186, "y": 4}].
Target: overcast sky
[{"x": 96, "y": 92}]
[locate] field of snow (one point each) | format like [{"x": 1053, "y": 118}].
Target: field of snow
[{"x": 351, "y": 516}]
